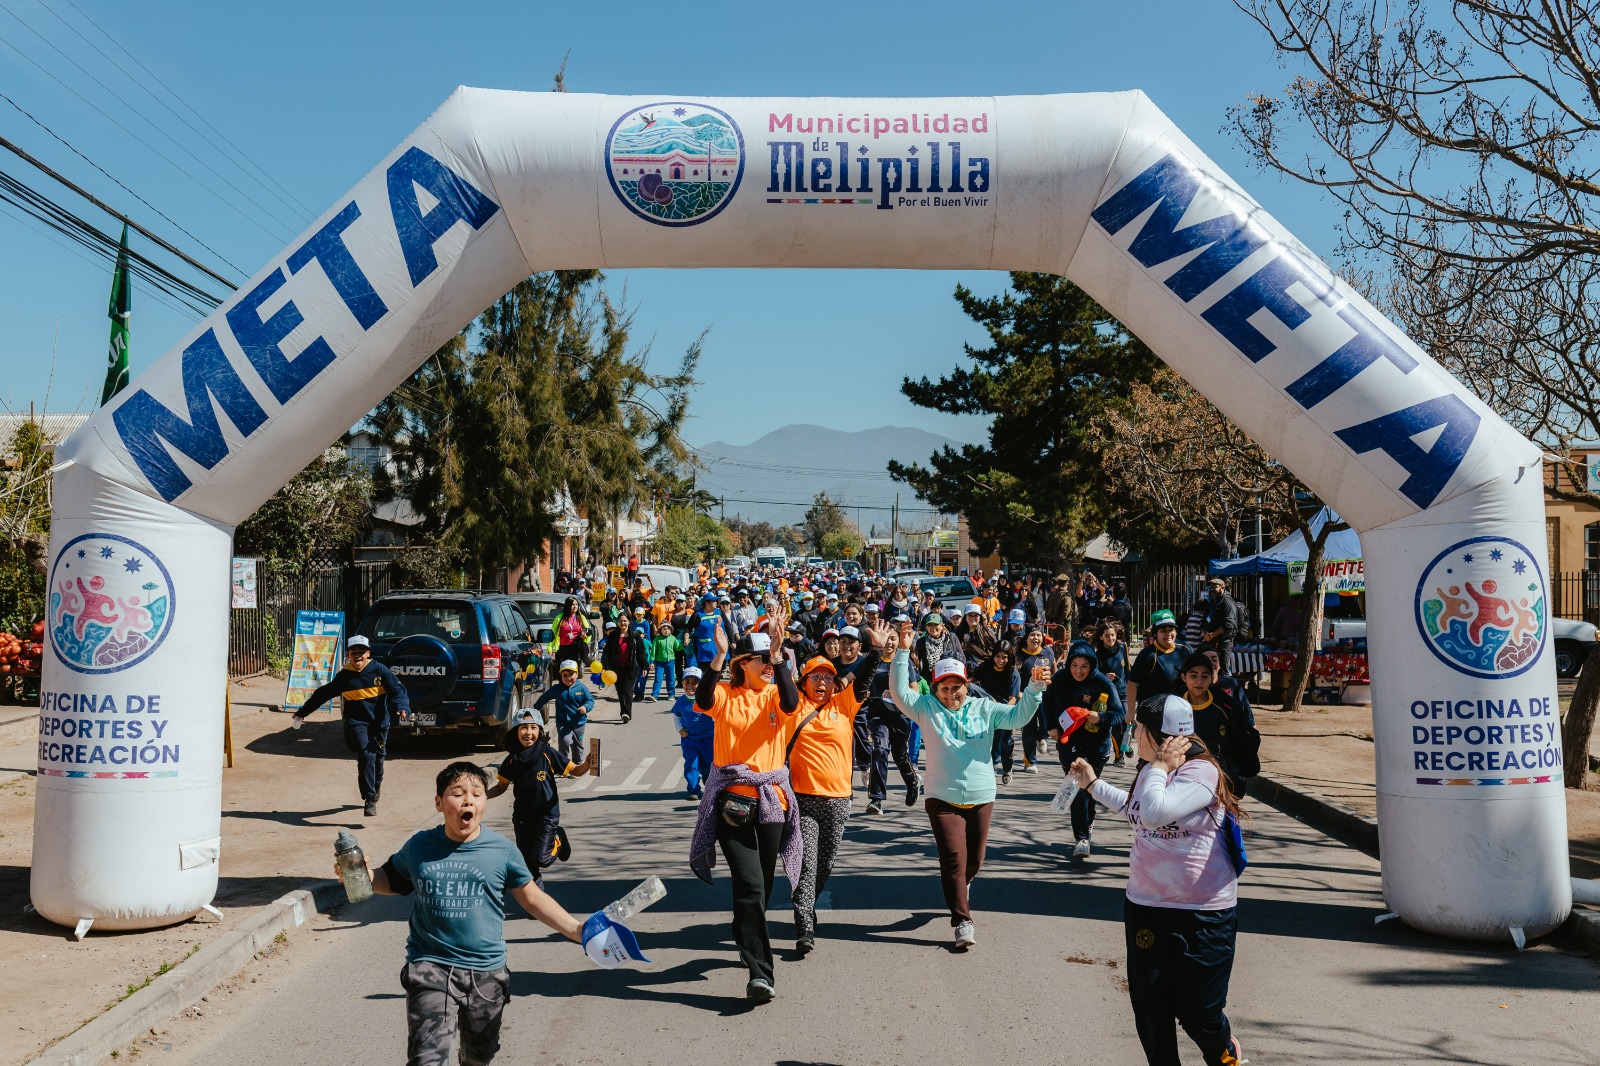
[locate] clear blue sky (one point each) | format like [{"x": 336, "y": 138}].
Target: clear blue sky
[{"x": 317, "y": 93}]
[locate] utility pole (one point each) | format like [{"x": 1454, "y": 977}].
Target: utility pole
[{"x": 894, "y": 532}]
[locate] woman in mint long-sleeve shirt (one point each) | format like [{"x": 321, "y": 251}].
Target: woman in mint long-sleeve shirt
[{"x": 959, "y": 785}]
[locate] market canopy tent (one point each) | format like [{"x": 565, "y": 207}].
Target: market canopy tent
[
  {"x": 1100, "y": 188},
  {"x": 1341, "y": 544}
]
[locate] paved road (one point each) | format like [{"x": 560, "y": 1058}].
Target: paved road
[{"x": 1315, "y": 981}]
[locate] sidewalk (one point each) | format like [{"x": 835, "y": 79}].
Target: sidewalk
[{"x": 284, "y": 800}]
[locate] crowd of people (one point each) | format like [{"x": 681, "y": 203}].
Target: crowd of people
[
  {"x": 787, "y": 685},
  {"x": 790, "y": 684}
]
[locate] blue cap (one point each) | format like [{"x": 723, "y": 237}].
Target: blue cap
[{"x": 610, "y": 944}]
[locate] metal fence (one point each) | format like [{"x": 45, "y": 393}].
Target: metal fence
[
  {"x": 1175, "y": 587},
  {"x": 1576, "y": 594},
  {"x": 258, "y": 635}
]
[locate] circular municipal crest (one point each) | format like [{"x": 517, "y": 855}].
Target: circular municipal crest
[
  {"x": 1144, "y": 938},
  {"x": 110, "y": 603},
  {"x": 1481, "y": 607},
  {"x": 675, "y": 163}
]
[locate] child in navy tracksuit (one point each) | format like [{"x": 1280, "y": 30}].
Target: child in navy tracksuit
[
  {"x": 695, "y": 731},
  {"x": 531, "y": 773}
]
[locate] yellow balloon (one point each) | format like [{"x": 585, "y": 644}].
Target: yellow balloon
[
  {"x": 608, "y": 677},
  {"x": 594, "y": 667}
]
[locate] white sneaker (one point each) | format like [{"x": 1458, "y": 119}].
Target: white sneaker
[
  {"x": 1080, "y": 850},
  {"x": 966, "y": 935}
]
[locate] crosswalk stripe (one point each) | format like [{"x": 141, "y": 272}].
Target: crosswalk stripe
[{"x": 630, "y": 782}]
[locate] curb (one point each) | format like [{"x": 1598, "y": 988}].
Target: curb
[
  {"x": 1360, "y": 832},
  {"x": 185, "y": 983},
  {"x": 1344, "y": 824}
]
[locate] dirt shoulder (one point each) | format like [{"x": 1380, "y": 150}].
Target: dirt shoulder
[
  {"x": 284, "y": 800},
  {"x": 1328, "y": 750}
]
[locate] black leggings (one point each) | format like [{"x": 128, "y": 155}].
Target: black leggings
[{"x": 751, "y": 852}]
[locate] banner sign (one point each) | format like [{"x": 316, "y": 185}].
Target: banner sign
[
  {"x": 1338, "y": 575},
  {"x": 318, "y": 640},
  {"x": 244, "y": 583}
]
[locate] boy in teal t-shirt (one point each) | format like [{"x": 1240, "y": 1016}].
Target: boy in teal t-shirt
[{"x": 460, "y": 873}]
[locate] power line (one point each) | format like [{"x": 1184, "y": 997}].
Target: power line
[
  {"x": 55, "y": 236},
  {"x": 844, "y": 504},
  {"x": 160, "y": 154},
  {"x": 296, "y": 205},
  {"x": 147, "y": 119},
  {"x": 65, "y": 222},
  {"x": 68, "y": 145},
  {"x": 108, "y": 209}
]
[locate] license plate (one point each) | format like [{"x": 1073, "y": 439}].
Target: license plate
[{"x": 426, "y": 719}]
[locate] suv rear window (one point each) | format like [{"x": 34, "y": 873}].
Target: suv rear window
[
  {"x": 948, "y": 586},
  {"x": 453, "y": 623}
]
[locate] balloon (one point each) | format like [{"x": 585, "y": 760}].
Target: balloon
[
  {"x": 594, "y": 667},
  {"x": 608, "y": 677}
]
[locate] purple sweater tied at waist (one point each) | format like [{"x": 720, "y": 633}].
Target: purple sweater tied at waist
[{"x": 703, "y": 852}]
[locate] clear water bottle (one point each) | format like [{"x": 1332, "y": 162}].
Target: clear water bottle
[
  {"x": 647, "y": 892},
  {"x": 352, "y": 867},
  {"x": 1062, "y": 803}
]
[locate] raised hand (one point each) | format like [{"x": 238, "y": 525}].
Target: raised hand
[
  {"x": 907, "y": 634},
  {"x": 719, "y": 635},
  {"x": 882, "y": 636}
]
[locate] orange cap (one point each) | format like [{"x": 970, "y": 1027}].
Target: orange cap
[{"x": 819, "y": 662}]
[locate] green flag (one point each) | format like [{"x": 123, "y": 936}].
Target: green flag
[{"x": 117, "y": 354}]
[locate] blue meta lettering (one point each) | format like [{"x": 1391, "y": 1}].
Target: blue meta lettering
[
  {"x": 1162, "y": 194},
  {"x": 150, "y": 431},
  {"x": 143, "y": 423},
  {"x": 457, "y": 200},
  {"x": 327, "y": 247}
]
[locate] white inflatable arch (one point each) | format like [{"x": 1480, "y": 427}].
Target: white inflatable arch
[{"x": 1100, "y": 188}]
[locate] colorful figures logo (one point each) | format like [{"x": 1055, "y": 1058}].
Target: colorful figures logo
[
  {"x": 675, "y": 163},
  {"x": 110, "y": 603},
  {"x": 1481, "y": 607}
]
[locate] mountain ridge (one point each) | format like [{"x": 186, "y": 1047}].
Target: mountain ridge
[{"x": 775, "y": 477}]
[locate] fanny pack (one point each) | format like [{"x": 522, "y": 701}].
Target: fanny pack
[{"x": 740, "y": 811}]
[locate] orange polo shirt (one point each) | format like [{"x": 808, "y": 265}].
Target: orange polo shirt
[
  {"x": 660, "y": 611},
  {"x": 821, "y": 764},
  {"x": 751, "y": 729}
]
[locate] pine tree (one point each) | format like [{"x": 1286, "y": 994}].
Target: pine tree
[{"x": 1055, "y": 361}]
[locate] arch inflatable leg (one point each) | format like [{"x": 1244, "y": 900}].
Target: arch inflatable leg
[
  {"x": 1472, "y": 821},
  {"x": 128, "y": 812}
]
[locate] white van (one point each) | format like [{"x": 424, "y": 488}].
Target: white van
[
  {"x": 771, "y": 557},
  {"x": 661, "y": 576}
]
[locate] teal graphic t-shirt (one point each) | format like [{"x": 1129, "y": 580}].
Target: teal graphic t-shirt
[{"x": 458, "y": 916}]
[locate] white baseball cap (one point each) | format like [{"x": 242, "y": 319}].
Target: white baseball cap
[
  {"x": 949, "y": 668},
  {"x": 973, "y": 608},
  {"x": 850, "y": 633},
  {"x": 1177, "y": 716},
  {"x": 567, "y": 664},
  {"x": 358, "y": 641},
  {"x": 693, "y": 671}
]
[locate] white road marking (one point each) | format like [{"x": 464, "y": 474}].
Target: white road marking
[
  {"x": 630, "y": 782},
  {"x": 580, "y": 783}
]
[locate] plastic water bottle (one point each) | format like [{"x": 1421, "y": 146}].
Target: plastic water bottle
[
  {"x": 1063, "y": 801},
  {"x": 352, "y": 866},
  {"x": 647, "y": 892}
]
